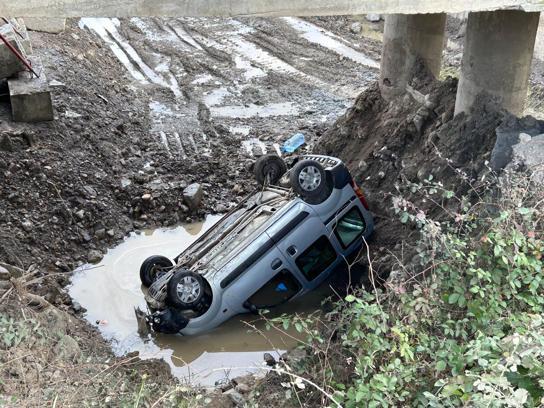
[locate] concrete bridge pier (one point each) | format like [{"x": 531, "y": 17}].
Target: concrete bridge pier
[
  {"x": 497, "y": 58},
  {"x": 406, "y": 38}
]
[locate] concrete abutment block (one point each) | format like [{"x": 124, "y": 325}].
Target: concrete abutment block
[
  {"x": 46, "y": 24},
  {"x": 30, "y": 96}
]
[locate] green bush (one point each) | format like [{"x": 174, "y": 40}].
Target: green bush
[{"x": 466, "y": 328}]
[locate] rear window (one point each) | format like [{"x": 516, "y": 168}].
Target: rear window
[
  {"x": 318, "y": 257},
  {"x": 350, "y": 227}
]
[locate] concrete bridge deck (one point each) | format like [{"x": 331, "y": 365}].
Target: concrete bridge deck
[{"x": 228, "y": 8}]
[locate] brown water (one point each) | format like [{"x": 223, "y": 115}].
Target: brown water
[{"x": 111, "y": 291}]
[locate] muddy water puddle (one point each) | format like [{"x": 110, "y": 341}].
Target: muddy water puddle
[{"x": 111, "y": 290}]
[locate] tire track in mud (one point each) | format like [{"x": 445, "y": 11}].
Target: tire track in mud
[{"x": 268, "y": 76}]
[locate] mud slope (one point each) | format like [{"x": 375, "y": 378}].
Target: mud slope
[
  {"x": 148, "y": 106},
  {"x": 387, "y": 145}
]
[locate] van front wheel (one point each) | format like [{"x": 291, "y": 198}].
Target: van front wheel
[
  {"x": 309, "y": 180},
  {"x": 185, "y": 289}
]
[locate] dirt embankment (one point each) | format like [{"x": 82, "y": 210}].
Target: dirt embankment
[
  {"x": 77, "y": 185},
  {"x": 388, "y": 145}
]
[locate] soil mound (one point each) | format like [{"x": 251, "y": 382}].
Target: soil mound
[{"x": 387, "y": 145}]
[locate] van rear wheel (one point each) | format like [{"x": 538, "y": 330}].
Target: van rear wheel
[
  {"x": 269, "y": 169},
  {"x": 309, "y": 180},
  {"x": 152, "y": 268},
  {"x": 185, "y": 289}
]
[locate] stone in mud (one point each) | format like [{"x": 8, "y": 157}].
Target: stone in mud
[
  {"x": 530, "y": 156},
  {"x": 4, "y": 273},
  {"x": 67, "y": 349},
  {"x": 294, "y": 356},
  {"x": 236, "y": 398},
  {"x": 355, "y": 28},
  {"x": 46, "y": 24},
  {"x": 27, "y": 225},
  {"x": 373, "y": 18},
  {"x": 100, "y": 233},
  {"x": 6, "y": 144},
  {"x": 242, "y": 388},
  {"x": 192, "y": 195},
  {"x": 269, "y": 359},
  {"x": 94, "y": 256},
  {"x": 4, "y": 285},
  {"x": 510, "y": 133}
]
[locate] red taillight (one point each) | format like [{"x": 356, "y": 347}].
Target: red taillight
[{"x": 360, "y": 194}]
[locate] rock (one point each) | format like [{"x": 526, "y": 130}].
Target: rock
[
  {"x": 147, "y": 197},
  {"x": 57, "y": 321},
  {"x": 100, "y": 233},
  {"x": 4, "y": 273},
  {"x": 510, "y": 133},
  {"x": 71, "y": 114},
  {"x": 89, "y": 191},
  {"x": 125, "y": 182},
  {"x": 192, "y": 195},
  {"x": 4, "y": 285},
  {"x": 67, "y": 349},
  {"x": 80, "y": 214},
  {"x": 110, "y": 232},
  {"x": 76, "y": 307},
  {"x": 242, "y": 388},
  {"x": 94, "y": 256},
  {"x": 363, "y": 166},
  {"x": 237, "y": 189},
  {"x": 52, "y": 295},
  {"x": 220, "y": 208},
  {"x": 46, "y": 24},
  {"x": 236, "y": 398},
  {"x": 294, "y": 356},
  {"x": 5, "y": 143},
  {"x": 13, "y": 270},
  {"x": 530, "y": 156},
  {"x": 355, "y": 28},
  {"x": 56, "y": 84},
  {"x": 373, "y": 18},
  {"x": 269, "y": 359}
]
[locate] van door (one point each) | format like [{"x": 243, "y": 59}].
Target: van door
[{"x": 304, "y": 242}]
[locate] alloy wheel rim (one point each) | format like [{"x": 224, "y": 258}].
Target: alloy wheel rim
[
  {"x": 309, "y": 178},
  {"x": 188, "y": 289}
]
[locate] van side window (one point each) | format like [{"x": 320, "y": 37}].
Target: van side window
[
  {"x": 350, "y": 227},
  {"x": 318, "y": 257},
  {"x": 282, "y": 287}
]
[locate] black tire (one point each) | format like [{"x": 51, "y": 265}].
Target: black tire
[
  {"x": 269, "y": 167},
  {"x": 309, "y": 180},
  {"x": 190, "y": 292},
  {"x": 150, "y": 267}
]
